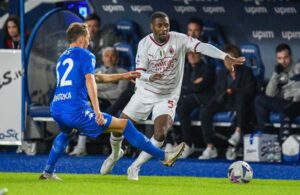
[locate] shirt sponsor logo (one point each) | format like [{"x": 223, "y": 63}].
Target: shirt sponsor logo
[
  {"x": 185, "y": 9},
  {"x": 213, "y": 10},
  {"x": 259, "y": 34},
  {"x": 285, "y": 10},
  {"x": 290, "y": 35},
  {"x": 256, "y": 10},
  {"x": 113, "y": 8},
  {"x": 141, "y": 8},
  {"x": 165, "y": 64}
]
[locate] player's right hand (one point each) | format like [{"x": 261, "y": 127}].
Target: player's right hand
[
  {"x": 155, "y": 76},
  {"x": 99, "y": 118}
]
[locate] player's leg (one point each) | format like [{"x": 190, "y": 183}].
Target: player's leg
[
  {"x": 161, "y": 125},
  {"x": 140, "y": 141},
  {"x": 57, "y": 149},
  {"x": 163, "y": 114},
  {"x": 135, "y": 110}
]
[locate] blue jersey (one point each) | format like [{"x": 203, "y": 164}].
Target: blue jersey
[{"x": 71, "y": 93}]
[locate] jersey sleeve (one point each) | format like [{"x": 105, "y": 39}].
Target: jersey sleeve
[
  {"x": 189, "y": 42},
  {"x": 141, "y": 59},
  {"x": 88, "y": 64},
  {"x": 194, "y": 45}
]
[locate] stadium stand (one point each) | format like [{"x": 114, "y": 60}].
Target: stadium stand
[
  {"x": 126, "y": 55},
  {"x": 129, "y": 31}
]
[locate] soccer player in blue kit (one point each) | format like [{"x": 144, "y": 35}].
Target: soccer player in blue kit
[{"x": 71, "y": 110}]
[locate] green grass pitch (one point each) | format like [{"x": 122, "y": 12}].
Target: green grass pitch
[{"x": 28, "y": 183}]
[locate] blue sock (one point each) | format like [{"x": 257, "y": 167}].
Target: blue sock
[
  {"x": 58, "y": 147},
  {"x": 141, "y": 142}
]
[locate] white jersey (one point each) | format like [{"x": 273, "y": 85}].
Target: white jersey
[{"x": 167, "y": 58}]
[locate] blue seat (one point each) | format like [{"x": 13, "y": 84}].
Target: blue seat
[
  {"x": 275, "y": 118},
  {"x": 212, "y": 34},
  {"x": 129, "y": 31},
  {"x": 224, "y": 117},
  {"x": 253, "y": 59},
  {"x": 126, "y": 55},
  {"x": 39, "y": 111}
]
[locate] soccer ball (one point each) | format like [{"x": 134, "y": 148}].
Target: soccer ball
[{"x": 240, "y": 172}]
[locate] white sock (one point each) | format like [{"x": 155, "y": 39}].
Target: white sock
[
  {"x": 116, "y": 143},
  {"x": 144, "y": 157},
  {"x": 81, "y": 141}
]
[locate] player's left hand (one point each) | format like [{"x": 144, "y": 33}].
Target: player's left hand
[
  {"x": 131, "y": 75},
  {"x": 198, "y": 80},
  {"x": 99, "y": 118},
  {"x": 234, "y": 61}
]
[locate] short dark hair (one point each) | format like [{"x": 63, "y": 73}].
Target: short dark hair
[
  {"x": 14, "y": 19},
  {"x": 235, "y": 50},
  {"x": 76, "y": 30},
  {"x": 158, "y": 14},
  {"x": 93, "y": 17},
  {"x": 283, "y": 46},
  {"x": 196, "y": 20}
]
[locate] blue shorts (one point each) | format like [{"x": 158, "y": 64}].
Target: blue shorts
[{"x": 84, "y": 121}]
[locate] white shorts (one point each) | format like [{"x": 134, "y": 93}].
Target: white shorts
[{"x": 139, "y": 107}]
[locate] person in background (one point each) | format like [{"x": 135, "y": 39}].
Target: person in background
[
  {"x": 282, "y": 92},
  {"x": 197, "y": 90},
  {"x": 11, "y": 32},
  {"x": 101, "y": 37},
  {"x": 192, "y": 66},
  {"x": 234, "y": 91}
]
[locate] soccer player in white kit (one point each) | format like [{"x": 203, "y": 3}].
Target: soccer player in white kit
[{"x": 160, "y": 59}]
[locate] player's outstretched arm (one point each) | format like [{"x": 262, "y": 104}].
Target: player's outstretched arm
[
  {"x": 107, "y": 78},
  {"x": 212, "y": 51},
  {"x": 92, "y": 91}
]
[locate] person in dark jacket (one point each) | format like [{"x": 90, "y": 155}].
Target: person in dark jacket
[
  {"x": 235, "y": 90},
  {"x": 197, "y": 89}
]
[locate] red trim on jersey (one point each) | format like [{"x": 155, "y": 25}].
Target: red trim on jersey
[
  {"x": 196, "y": 46},
  {"x": 140, "y": 69},
  {"x": 160, "y": 44}
]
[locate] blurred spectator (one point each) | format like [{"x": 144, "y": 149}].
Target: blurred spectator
[
  {"x": 108, "y": 93},
  {"x": 197, "y": 90},
  {"x": 100, "y": 37},
  {"x": 93, "y": 22},
  {"x": 195, "y": 28},
  {"x": 282, "y": 93},
  {"x": 235, "y": 90},
  {"x": 11, "y": 32},
  {"x": 194, "y": 66}
]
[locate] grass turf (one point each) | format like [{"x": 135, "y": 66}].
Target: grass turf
[{"x": 28, "y": 183}]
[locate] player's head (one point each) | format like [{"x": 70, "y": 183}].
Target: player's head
[
  {"x": 194, "y": 28},
  {"x": 284, "y": 55},
  {"x": 110, "y": 56},
  {"x": 78, "y": 35},
  {"x": 12, "y": 27},
  {"x": 160, "y": 26},
  {"x": 233, "y": 51},
  {"x": 93, "y": 22}
]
